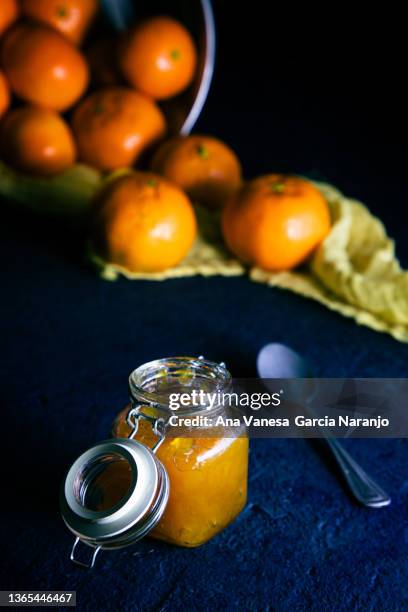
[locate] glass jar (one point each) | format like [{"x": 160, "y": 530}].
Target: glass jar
[
  {"x": 180, "y": 476},
  {"x": 207, "y": 466}
]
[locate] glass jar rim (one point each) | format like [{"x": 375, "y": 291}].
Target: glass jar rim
[{"x": 202, "y": 368}]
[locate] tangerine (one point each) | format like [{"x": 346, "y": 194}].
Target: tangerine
[
  {"x": 114, "y": 125},
  {"x": 9, "y": 11},
  {"x": 158, "y": 57},
  {"x": 144, "y": 223},
  {"x": 4, "y": 94},
  {"x": 71, "y": 18},
  {"x": 38, "y": 141},
  {"x": 43, "y": 67},
  {"x": 275, "y": 221},
  {"x": 203, "y": 166}
]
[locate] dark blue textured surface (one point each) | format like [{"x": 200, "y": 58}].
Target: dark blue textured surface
[{"x": 69, "y": 341}]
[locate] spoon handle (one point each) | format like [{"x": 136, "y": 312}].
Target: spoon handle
[{"x": 364, "y": 489}]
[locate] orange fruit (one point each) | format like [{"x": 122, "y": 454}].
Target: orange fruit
[
  {"x": 38, "y": 141},
  {"x": 9, "y": 11},
  {"x": 101, "y": 58},
  {"x": 158, "y": 57},
  {"x": 113, "y": 126},
  {"x": 144, "y": 223},
  {"x": 70, "y": 17},
  {"x": 203, "y": 166},
  {"x": 43, "y": 67},
  {"x": 275, "y": 221},
  {"x": 4, "y": 94}
]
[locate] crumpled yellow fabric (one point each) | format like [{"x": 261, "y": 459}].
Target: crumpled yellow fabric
[
  {"x": 354, "y": 271},
  {"x": 68, "y": 195}
]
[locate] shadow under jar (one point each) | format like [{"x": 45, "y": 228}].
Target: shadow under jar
[{"x": 207, "y": 464}]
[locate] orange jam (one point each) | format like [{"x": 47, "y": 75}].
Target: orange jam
[{"x": 208, "y": 482}]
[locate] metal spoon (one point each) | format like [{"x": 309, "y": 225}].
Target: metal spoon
[
  {"x": 182, "y": 112},
  {"x": 279, "y": 361}
]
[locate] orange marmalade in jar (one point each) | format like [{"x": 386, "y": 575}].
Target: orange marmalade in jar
[{"x": 207, "y": 465}]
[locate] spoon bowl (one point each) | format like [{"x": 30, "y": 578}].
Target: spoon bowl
[{"x": 279, "y": 361}]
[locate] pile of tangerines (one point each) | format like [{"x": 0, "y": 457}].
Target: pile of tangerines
[{"x": 68, "y": 96}]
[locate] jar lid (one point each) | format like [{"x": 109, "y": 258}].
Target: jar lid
[{"x": 114, "y": 494}]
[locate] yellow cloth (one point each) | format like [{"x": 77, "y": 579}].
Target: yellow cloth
[{"x": 354, "y": 271}]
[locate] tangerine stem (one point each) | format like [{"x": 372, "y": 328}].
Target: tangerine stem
[{"x": 203, "y": 151}]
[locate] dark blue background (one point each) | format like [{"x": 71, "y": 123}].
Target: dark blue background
[{"x": 290, "y": 94}]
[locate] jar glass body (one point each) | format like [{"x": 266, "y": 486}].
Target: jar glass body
[{"x": 208, "y": 471}]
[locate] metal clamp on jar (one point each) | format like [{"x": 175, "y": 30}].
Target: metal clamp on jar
[
  {"x": 120, "y": 490},
  {"x": 114, "y": 494}
]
